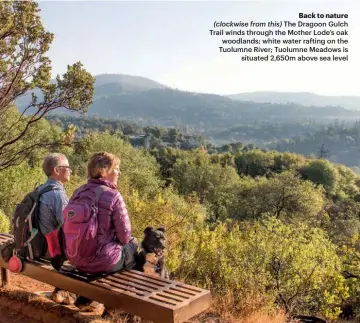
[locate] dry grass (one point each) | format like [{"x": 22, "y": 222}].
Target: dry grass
[
  {"x": 212, "y": 317},
  {"x": 262, "y": 318},
  {"x": 265, "y": 318},
  {"x": 224, "y": 310}
]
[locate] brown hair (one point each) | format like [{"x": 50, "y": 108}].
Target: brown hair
[{"x": 100, "y": 163}]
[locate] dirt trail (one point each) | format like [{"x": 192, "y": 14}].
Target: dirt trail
[
  {"x": 19, "y": 304},
  {"x": 7, "y": 315}
]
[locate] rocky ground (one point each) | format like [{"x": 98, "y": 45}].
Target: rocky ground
[{"x": 19, "y": 303}]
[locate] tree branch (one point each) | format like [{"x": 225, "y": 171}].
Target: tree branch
[
  {"x": 276, "y": 266},
  {"x": 24, "y": 153},
  {"x": 349, "y": 275},
  {"x": 25, "y": 56}
]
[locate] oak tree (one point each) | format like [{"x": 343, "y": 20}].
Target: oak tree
[{"x": 25, "y": 70}]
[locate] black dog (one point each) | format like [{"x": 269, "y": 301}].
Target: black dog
[{"x": 151, "y": 259}]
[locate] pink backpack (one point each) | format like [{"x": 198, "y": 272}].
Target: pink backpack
[{"x": 81, "y": 224}]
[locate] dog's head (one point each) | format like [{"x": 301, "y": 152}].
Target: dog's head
[{"x": 154, "y": 241}]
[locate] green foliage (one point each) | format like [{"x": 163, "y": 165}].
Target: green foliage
[
  {"x": 213, "y": 183},
  {"x": 283, "y": 195},
  {"x": 322, "y": 172},
  {"x": 15, "y": 183},
  {"x": 41, "y": 137},
  {"x": 255, "y": 163},
  {"x": 288, "y": 161},
  {"x": 347, "y": 187},
  {"x": 261, "y": 163},
  {"x": 166, "y": 158},
  {"x": 342, "y": 223},
  {"x": 338, "y": 180},
  {"x": 24, "y": 41},
  {"x": 225, "y": 159},
  {"x": 157, "y": 137},
  {"x": 267, "y": 264},
  {"x": 139, "y": 170},
  {"x": 4, "y": 222}
]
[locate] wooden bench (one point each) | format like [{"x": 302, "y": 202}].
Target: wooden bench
[{"x": 154, "y": 299}]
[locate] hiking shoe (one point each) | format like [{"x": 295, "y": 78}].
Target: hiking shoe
[
  {"x": 63, "y": 297},
  {"x": 94, "y": 307},
  {"x": 85, "y": 304},
  {"x": 57, "y": 296}
]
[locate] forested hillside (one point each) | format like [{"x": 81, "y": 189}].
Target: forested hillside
[
  {"x": 304, "y": 98},
  {"x": 337, "y": 141},
  {"x": 146, "y": 102},
  {"x": 340, "y": 143}
]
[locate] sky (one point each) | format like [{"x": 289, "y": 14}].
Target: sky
[{"x": 170, "y": 42}]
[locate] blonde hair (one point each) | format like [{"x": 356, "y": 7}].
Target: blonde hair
[{"x": 102, "y": 162}]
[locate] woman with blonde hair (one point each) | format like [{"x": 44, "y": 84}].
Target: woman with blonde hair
[{"x": 97, "y": 229}]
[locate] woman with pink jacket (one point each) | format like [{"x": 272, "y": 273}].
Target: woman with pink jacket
[{"x": 97, "y": 229}]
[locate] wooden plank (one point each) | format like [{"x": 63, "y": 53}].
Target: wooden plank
[
  {"x": 194, "y": 307},
  {"x": 149, "y": 279},
  {"x": 6, "y": 236},
  {"x": 154, "y": 299},
  {"x": 140, "y": 283},
  {"x": 5, "y": 277},
  {"x": 122, "y": 287},
  {"x": 166, "y": 300},
  {"x": 175, "y": 293},
  {"x": 140, "y": 287},
  {"x": 5, "y": 274},
  {"x": 192, "y": 289},
  {"x": 171, "y": 297}
]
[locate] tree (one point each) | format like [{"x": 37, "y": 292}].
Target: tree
[
  {"x": 284, "y": 196},
  {"x": 322, "y": 172},
  {"x": 255, "y": 163},
  {"x": 215, "y": 185},
  {"x": 323, "y": 153},
  {"x": 25, "y": 69}
]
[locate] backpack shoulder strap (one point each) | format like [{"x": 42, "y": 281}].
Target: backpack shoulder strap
[
  {"x": 48, "y": 188},
  {"x": 99, "y": 191}
]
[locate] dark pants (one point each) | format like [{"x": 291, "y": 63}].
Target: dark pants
[{"x": 127, "y": 261}]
